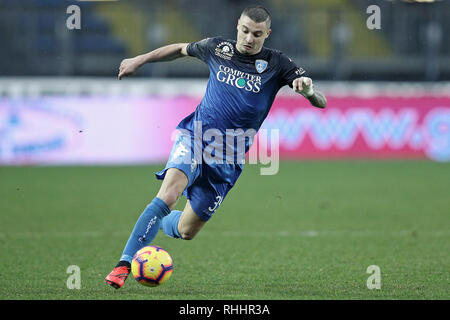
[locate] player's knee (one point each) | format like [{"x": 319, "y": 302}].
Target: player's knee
[
  {"x": 170, "y": 197},
  {"x": 187, "y": 235}
]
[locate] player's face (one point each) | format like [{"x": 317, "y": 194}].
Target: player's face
[{"x": 251, "y": 35}]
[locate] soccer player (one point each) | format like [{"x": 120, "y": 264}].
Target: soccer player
[{"x": 244, "y": 80}]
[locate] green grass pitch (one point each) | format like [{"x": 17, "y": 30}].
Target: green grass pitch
[{"x": 309, "y": 232}]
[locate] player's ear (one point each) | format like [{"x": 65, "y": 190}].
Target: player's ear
[{"x": 268, "y": 33}]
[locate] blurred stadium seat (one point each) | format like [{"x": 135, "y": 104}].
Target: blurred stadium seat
[{"x": 327, "y": 37}]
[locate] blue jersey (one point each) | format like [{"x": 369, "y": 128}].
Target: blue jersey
[
  {"x": 241, "y": 88},
  {"x": 240, "y": 92}
]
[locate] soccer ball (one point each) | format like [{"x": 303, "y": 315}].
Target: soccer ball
[{"x": 152, "y": 266}]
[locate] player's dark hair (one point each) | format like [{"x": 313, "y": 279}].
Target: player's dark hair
[{"x": 257, "y": 14}]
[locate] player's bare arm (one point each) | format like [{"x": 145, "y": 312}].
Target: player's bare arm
[
  {"x": 304, "y": 86},
  {"x": 167, "y": 53}
]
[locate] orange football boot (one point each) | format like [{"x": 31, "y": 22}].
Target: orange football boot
[{"x": 118, "y": 276}]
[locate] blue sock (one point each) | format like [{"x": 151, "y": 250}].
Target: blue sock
[
  {"x": 169, "y": 224},
  {"x": 146, "y": 228}
]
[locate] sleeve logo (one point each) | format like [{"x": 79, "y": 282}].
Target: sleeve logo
[{"x": 299, "y": 71}]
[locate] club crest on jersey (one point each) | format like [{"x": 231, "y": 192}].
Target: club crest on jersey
[
  {"x": 224, "y": 50},
  {"x": 261, "y": 65}
]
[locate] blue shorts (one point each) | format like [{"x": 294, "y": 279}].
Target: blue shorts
[{"x": 208, "y": 184}]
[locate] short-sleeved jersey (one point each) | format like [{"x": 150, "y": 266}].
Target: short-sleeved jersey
[{"x": 241, "y": 88}]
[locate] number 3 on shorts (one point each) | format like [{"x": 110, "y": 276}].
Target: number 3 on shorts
[{"x": 216, "y": 204}]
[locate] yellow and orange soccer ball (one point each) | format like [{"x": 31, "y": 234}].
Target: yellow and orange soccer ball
[{"x": 152, "y": 266}]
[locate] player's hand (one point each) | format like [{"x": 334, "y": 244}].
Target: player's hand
[
  {"x": 129, "y": 66},
  {"x": 304, "y": 86}
]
